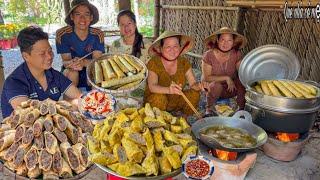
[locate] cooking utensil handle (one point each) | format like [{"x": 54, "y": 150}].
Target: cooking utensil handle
[
  {"x": 243, "y": 115},
  {"x": 313, "y": 83}
]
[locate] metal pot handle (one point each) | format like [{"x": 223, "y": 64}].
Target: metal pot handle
[
  {"x": 243, "y": 115},
  {"x": 313, "y": 83}
]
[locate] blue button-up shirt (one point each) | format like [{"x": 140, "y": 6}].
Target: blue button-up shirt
[{"x": 21, "y": 83}]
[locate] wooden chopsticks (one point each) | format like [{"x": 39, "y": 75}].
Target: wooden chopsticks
[
  {"x": 68, "y": 62},
  {"x": 190, "y": 104}
]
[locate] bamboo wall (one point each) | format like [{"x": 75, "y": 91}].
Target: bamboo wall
[{"x": 259, "y": 26}]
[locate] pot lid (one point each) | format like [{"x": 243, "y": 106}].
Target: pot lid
[{"x": 269, "y": 62}]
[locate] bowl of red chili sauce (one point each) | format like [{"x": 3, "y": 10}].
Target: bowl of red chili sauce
[{"x": 197, "y": 167}]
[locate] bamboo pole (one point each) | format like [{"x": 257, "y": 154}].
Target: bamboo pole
[
  {"x": 200, "y": 7},
  {"x": 156, "y": 20},
  {"x": 194, "y": 55},
  {"x": 270, "y": 3}
]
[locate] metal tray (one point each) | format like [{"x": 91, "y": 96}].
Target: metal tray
[{"x": 269, "y": 62}]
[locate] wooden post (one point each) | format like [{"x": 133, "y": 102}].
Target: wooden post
[
  {"x": 1, "y": 74},
  {"x": 156, "y": 20},
  {"x": 124, "y": 4},
  {"x": 66, "y": 4},
  {"x": 1, "y": 18}
]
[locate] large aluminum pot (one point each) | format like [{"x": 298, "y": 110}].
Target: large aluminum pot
[{"x": 275, "y": 121}]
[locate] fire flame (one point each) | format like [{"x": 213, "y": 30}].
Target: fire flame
[
  {"x": 287, "y": 137},
  {"x": 226, "y": 155}
]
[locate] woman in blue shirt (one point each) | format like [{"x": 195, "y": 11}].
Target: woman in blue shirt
[{"x": 35, "y": 78}]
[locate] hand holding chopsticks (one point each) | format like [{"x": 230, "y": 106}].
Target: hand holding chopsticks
[
  {"x": 188, "y": 102},
  {"x": 76, "y": 60}
]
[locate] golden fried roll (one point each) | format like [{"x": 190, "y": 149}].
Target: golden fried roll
[
  {"x": 133, "y": 151},
  {"x": 149, "y": 111},
  {"x": 31, "y": 117},
  {"x": 158, "y": 140},
  {"x": 34, "y": 173},
  {"x": 61, "y": 136},
  {"x": 39, "y": 142},
  {"x": 150, "y": 164},
  {"x": 57, "y": 161},
  {"x": 52, "y": 107},
  {"x": 82, "y": 153},
  {"x": 5, "y": 133},
  {"x": 11, "y": 151},
  {"x": 72, "y": 133},
  {"x": 98, "y": 75},
  {"x": 6, "y": 141},
  {"x": 26, "y": 104},
  {"x": 50, "y": 174},
  {"x": 44, "y": 108},
  {"x": 38, "y": 126},
  {"x": 70, "y": 156},
  {"x": 19, "y": 155},
  {"x": 45, "y": 160},
  {"x": 35, "y": 103},
  {"x": 130, "y": 85},
  {"x": 51, "y": 142},
  {"x": 60, "y": 122},
  {"x": 22, "y": 170},
  {"x": 31, "y": 158},
  {"x": 48, "y": 123},
  {"x": 184, "y": 124},
  {"x": 169, "y": 136},
  {"x": 66, "y": 171},
  {"x": 192, "y": 150},
  {"x": 28, "y": 137},
  {"x": 258, "y": 89}
]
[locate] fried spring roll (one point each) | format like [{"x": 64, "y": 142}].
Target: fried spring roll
[
  {"x": 82, "y": 153},
  {"x": 273, "y": 89},
  {"x": 22, "y": 170},
  {"x": 39, "y": 142},
  {"x": 291, "y": 88},
  {"x": 19, "y": 155},
  {"x": 304, "y": 93},
  {"x": 57, "y": 162},
  {"x": 38, "y": 126},
  {"x": 45, "y": 160},
  {"x": 283, "y": 89},
  {"x": 34, "y": 173},
  {"x": 50, "y": 142},
  {"x": 31, "y": 158},
  {"x": 61, "y": 136},
  {"x": 35, "y": 103},
  {"x": 48, "y": 123},
  {"x": 265, "y": 88},
  {"x": 31, "y": 117},
  {"x": 130, "y": 85},
  {"x": 72, "y": 133},
  {"x": 11, "y": 151},
  {"x": 66, "y": 171},
  {"x": 70, "y": 156},
  {"x": 50, "y": 174},
  {"x": 6, "y": 141},
  {"x": 26, "y": 104},
  {"x": 28, "y": 137},
  {"x": 60, "y": 122},
  {"x": 44, "y": 108},
  {"x": 52, "y": 108},
  {"x": 98, "y": 75},
  {"x": 5, "y": 133}
]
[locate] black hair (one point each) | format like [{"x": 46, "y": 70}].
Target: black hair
[
  {"x": 215, "y": 45},
  {"x": 28, "y": 36},
  {"x": 162, "y": 40},
  {"x": 138, "y": 40}
]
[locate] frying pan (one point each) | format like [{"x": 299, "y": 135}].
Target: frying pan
[{"x": 236, "y": 121}]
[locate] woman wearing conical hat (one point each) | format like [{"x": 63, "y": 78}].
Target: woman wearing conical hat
[
  {"x": 220, "y": 66},
  {"x": 169, "y": 73}
]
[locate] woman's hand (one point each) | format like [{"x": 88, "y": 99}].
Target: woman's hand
[
  {"x": 175, "y": 89},
  {"x": 230, "y": 83},
  {"x": 204, "y": 86}
]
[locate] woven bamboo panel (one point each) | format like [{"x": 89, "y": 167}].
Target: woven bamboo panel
[
  {"x": 260, "y": 28},
  {"x": 301, "y": 36}
]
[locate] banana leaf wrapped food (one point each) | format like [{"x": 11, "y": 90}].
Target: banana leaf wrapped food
[{"x": 131, "y": 146}]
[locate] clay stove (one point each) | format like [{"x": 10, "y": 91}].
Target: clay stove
[
  {"x": 284, "y": 146},
  {"x": 235, "y": 168}
]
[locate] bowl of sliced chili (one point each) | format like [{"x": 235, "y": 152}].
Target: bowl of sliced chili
[
  {"x": 197, "y": 167},
  {"x": 96, "y": 105}
]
